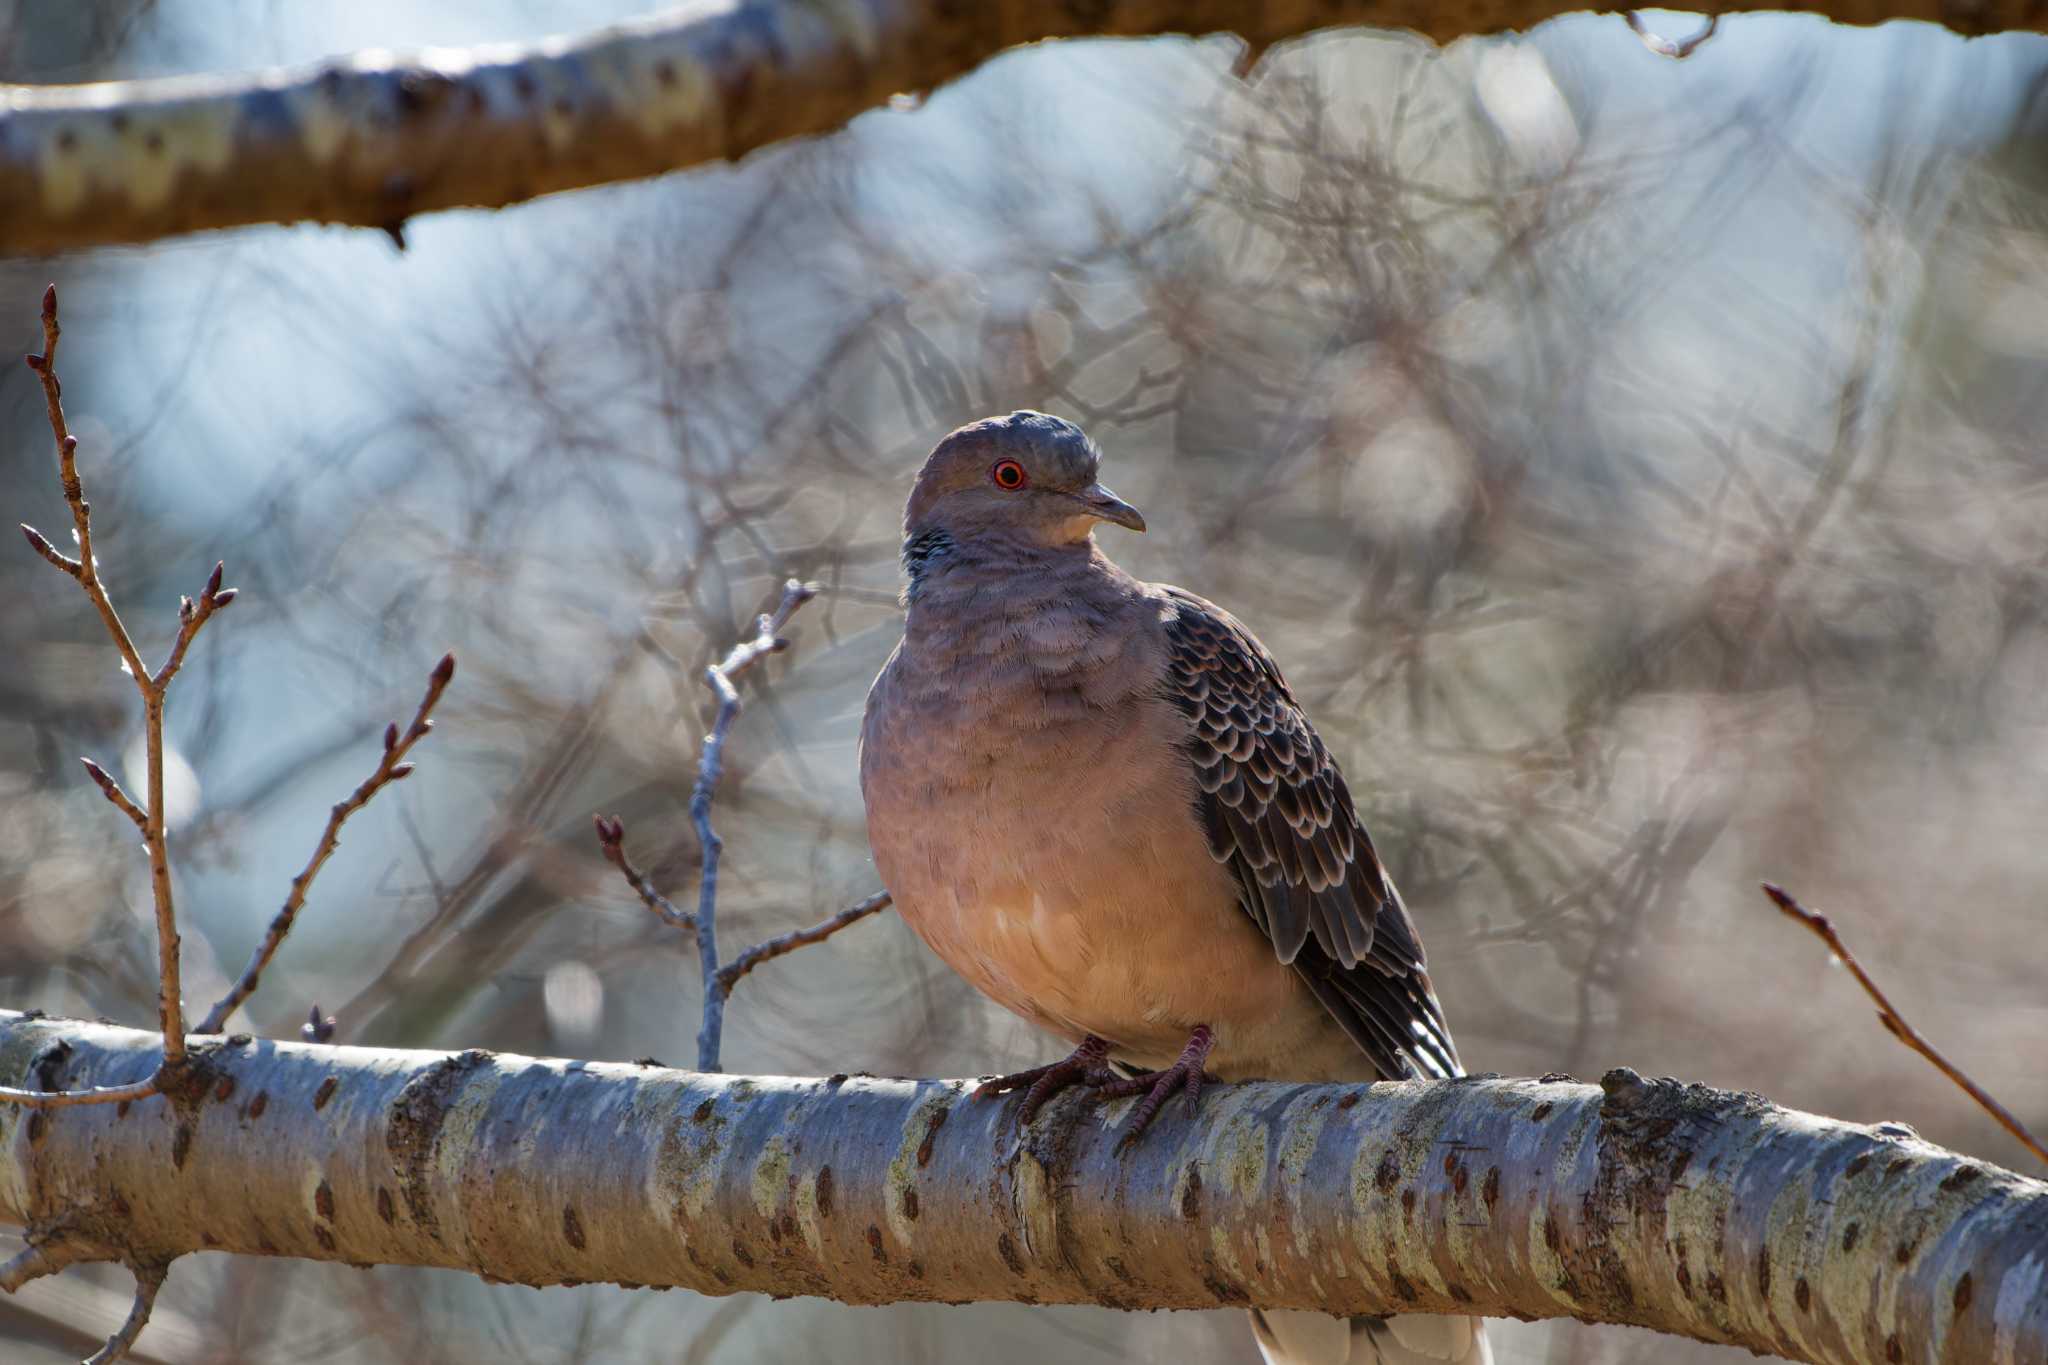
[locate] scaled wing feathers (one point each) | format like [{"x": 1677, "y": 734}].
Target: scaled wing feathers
[{"x": 1277, "y": 811}]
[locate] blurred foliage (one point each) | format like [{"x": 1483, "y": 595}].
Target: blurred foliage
[{"x": 1636, "y": 467}]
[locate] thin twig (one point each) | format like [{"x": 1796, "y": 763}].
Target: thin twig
[
  {"x": 45, "y": 366},
  {"x": 611, "y": 837},
  {"x": 392, "y": 767},
  {"x": 170, "y": 1003},
  {"x": 63, "y": 1099},
  {"x": 719, "y": 678},
  {"x": 798, "y": 938},
  {"x": 1895, "y": 1023},
  {"x": 149, "y": 814},
  {"x": 191, "y": 616},
  {"x": 38, "y": 1259},
  {"x": 148, "y": 1280}
]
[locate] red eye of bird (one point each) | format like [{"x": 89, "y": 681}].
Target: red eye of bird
[{"x": 1009, "y": 475}]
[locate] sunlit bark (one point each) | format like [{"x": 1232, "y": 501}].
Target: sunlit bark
[
  {"x": 374, "y": 139},
  {"x": 1694, "y": 1211}
]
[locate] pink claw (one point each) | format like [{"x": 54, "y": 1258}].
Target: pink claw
[{"x": 1158, "y": 1086}]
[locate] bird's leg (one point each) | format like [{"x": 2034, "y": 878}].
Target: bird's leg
[
  {"x": 1086, "y": 1065},
  {"x": 1157, "y": 1086}
]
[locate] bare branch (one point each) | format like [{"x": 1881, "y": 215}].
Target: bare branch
[
  {"x": 799, "y": 938},
  {"x": 170, "y": 1005},
  {"x": 391, "y": 767},
  {"x": 64, "y": 1099},
  {"x": 148, "y": 1280},
  {"x": 45, "y": 367},
  {"x": 1895, "y": 1023},
  {"x": 611, "y": 837},
  {"x": 720, "y": 678},
  {"x": 193, "y": 614}
]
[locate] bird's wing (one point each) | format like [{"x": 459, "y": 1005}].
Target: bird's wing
[{"x": 1277, "y": 811}]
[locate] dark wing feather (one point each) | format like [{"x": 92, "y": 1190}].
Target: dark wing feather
[{"x": 1277, "y": 811}]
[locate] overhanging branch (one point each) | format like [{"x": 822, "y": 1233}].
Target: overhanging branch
[
  {"x": 373, "y": 139},
  {"x": 1699, "y": 1212}
]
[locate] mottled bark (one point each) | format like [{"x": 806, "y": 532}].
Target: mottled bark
[
  {"x": 372, "y": 139},
  {"x": 1699, "y": 1212}
]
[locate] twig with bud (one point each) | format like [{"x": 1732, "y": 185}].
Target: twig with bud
[
  {"x": 611, "y": 840},
  {"x": 148, "y": 815},
  {"x": 318, "y": 1028},
  {"x": 1895, "y": 1023},
  {"x": 753, "y": 957},
  {"x": 112, "y": 791},
  {"x": 391, "y": 767}
]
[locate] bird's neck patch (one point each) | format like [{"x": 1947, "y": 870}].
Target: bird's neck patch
[{"x": 920, "y": 553}]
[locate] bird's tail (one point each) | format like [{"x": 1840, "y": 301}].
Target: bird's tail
[{"x": 1303, "y": 1338}]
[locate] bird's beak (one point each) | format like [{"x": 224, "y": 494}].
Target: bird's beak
[{"x": 1104, "y": 505}]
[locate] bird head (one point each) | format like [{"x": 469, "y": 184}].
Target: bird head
[{"x": 1030, "y": 475}]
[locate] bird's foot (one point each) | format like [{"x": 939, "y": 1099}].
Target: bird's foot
[
  {"x": 1158, "y": 1086},
  {"x": 1087, "y": 1065}
]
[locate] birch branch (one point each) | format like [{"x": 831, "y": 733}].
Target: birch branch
[
  {"x": 371, "y": 140},
  {"x": 1693, "y": 1211}
]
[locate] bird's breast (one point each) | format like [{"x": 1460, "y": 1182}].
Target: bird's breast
[{"x": 1036, "y": 827}]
